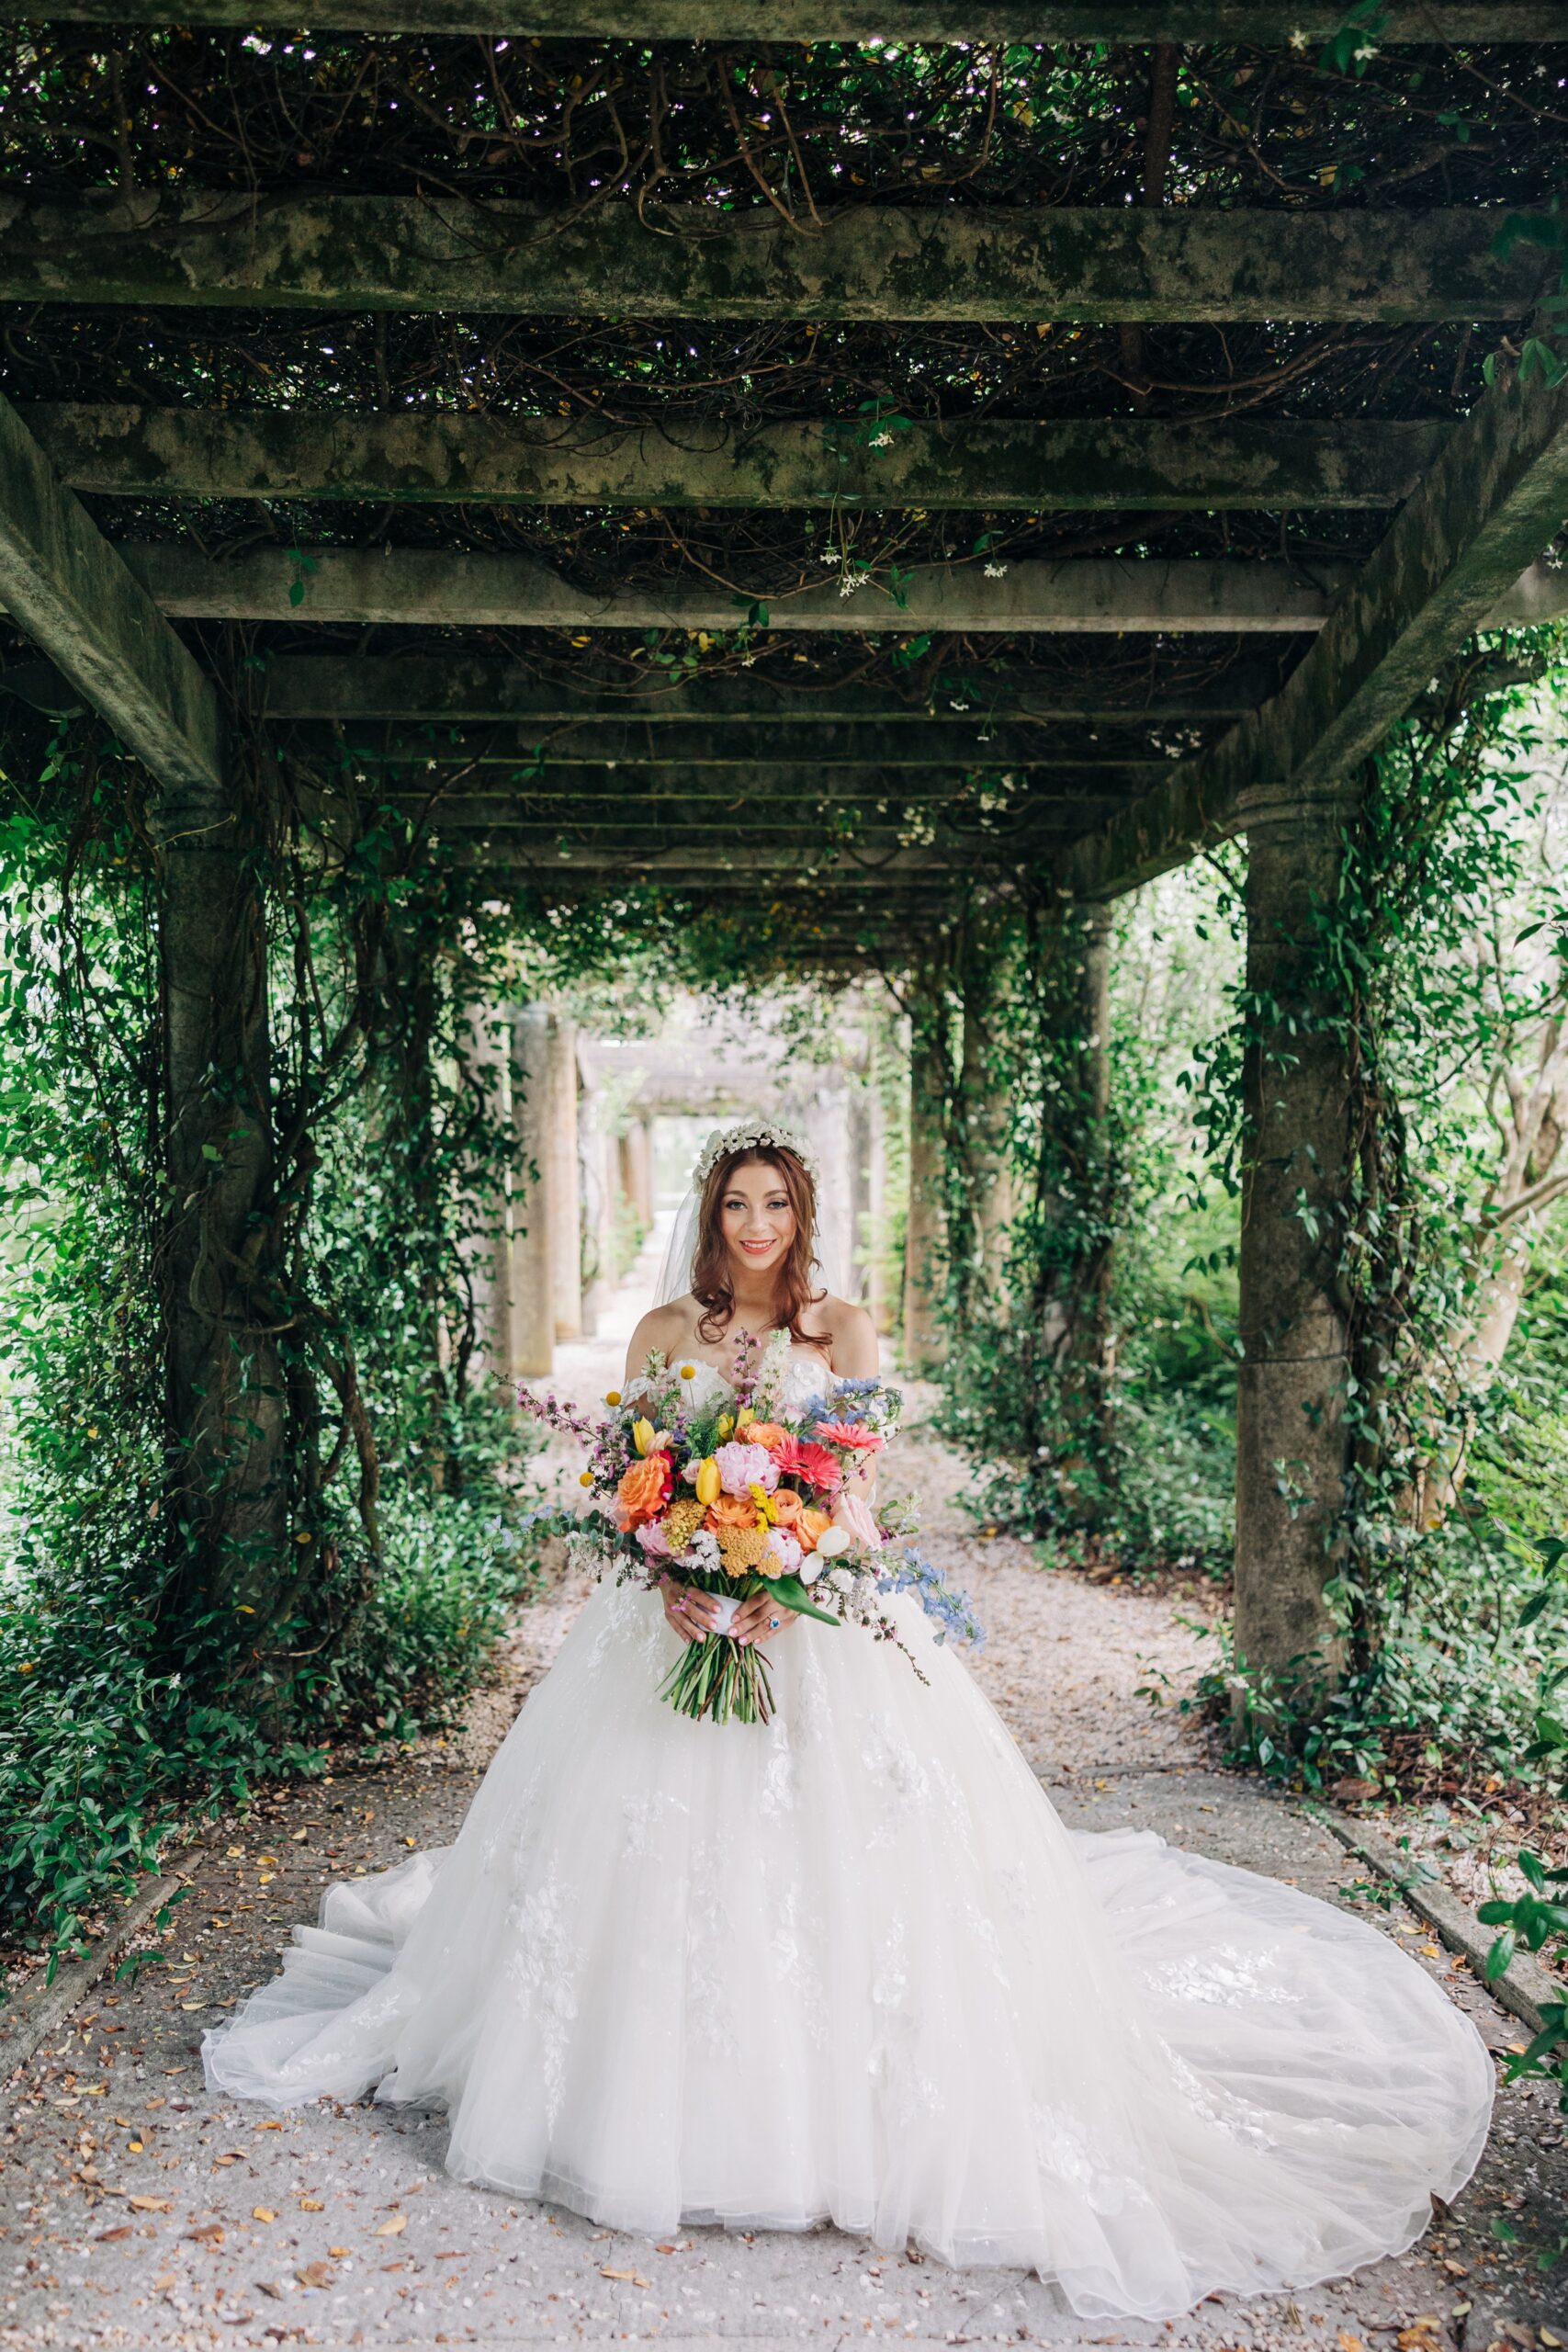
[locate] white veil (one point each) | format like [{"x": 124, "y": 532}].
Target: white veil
[{"x": 675, "y": 1272}]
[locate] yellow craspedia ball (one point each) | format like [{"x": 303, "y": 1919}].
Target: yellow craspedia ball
[
  {"x": 613, "y": 1398},
  {"x": 586, "y": 1479},
  {"x": 688, "y": 1372}
]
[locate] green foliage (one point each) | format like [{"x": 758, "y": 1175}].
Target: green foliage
[
  {"x": 126, "y": 1703},
  {"x": 1531, "y": 1922}
]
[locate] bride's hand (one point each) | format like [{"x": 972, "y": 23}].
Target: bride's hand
[
  {"x": 688, "y": 1611},
  {"x": 759, "y": 1619}
]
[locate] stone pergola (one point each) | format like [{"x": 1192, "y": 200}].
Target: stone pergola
[{"x": 1266, "y": 684}]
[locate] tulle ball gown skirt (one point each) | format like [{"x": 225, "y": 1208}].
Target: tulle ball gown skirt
[{"x": 850, "y": 1966}]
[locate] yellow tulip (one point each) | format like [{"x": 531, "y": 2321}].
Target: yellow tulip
[
  {"x": 745, "y": 1417},
  {"x": 727, "y": 1424},
  {"x": 708, "y": 1484},
  {"x": 642, "y": 1435}
]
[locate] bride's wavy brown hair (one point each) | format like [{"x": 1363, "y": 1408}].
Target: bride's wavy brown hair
[{"x": 710, "y": 1260}]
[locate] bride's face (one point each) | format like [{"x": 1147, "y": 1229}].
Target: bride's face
[{"x": 756, "y": 1219}]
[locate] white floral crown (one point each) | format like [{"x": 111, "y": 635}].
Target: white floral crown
[{"x": 750, "y": 1135}]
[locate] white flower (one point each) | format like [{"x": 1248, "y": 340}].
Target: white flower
[
  {"x": 751, "y": 1135},
  {"x": 995, "y": 571},
  {"x": 882, "y": 440},
  {"x": 833, "y": 1541},
  {"x": 841, "y": 1579},
  {"x": 702, "y": 1550}
]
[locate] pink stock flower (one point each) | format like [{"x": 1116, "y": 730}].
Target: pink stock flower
[
  {"x": 742, "y": 1468},
  {"x": 850, "y": 1435}
]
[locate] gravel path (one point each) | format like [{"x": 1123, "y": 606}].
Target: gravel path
[{"x": 137, "y": 2211}]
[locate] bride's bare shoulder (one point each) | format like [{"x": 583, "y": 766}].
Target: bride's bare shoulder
[
  {"x": 851, "y": 1337},
  {"x": 669, "y": 1329}
]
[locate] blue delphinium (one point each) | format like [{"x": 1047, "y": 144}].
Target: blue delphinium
[{"x": 951, "y": 1610}]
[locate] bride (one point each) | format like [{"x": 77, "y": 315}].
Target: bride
[{"x": 849, "y": 1965}]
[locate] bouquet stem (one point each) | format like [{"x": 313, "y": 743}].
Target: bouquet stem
[{"x": 724, "y": 1679}]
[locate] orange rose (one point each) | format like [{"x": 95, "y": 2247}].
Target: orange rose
[
  {"x": 767, "y": 1433},
  {"x": 787, "y": 1507},
  {"x": 731, "y": 1511},
  {"x": 645, "y": 1490},
  {"x": 810, "y": 1525}
]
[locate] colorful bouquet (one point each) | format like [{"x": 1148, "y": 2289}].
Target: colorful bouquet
[{"x": 720, "y": 1483}]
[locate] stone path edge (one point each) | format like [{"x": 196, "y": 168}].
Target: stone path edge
[
  {"x": 1524, "y": 1986},
  {"x": 47, "y": 2010}
]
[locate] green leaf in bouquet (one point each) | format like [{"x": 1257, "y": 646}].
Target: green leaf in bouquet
[{"x": 792, "y": 1593}]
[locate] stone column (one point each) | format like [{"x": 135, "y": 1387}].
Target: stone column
[
  {"x": 636, "y": 1167},
  {"x": 533, "y": 1305},
  {"x": 487, "y": 1239},
  {"x": 218, "y": 1263},
  {"x": 1291, "y": 1447},
  {"x": 566, "y": 1204},
  {"x": 594, "y": 1151},
  {"x": 925, "y": 1227},
  {"x": 987, "y": 1109},
  {"x": 878, "y": 1293},
  {"x": 1071, "y": 1302},
  {"x": 828, "y": 1127}
]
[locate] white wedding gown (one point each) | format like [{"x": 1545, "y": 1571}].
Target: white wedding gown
[{"x": 851, "y": 1966}]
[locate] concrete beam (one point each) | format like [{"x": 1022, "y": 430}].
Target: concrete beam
[
  {"x": 64, "y": 584},
  {"x": 311, "y": 251},
  {"x": 1101, "y": 465},
  {"x": 946, "y": 868},
  {"x": 643, "y": 833},
  {"x": 354, "y": 689},
  {"x": 637, "y": 755},
  {"x": 1498, "y": 494},
  {"x": 452, "y": 589},
  {"x": 1261, "y": 23},
  {"x": 741, "y": 783}
]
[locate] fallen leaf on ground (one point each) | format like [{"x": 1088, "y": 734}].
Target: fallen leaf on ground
[
  {"x": 207, "y": 2233},
  {"x": 315, "y": 2274},
  {"x": 311, "y": 2205},
  {"x": 123, "y": 2230},
  {"x": 164, "y": 2281},
  {"x": 389, "y": 2229},
  {"x": 263, "y": 2213},
  {"x": 631, "y": 2275},
  {"x": 150, "y": 2204}
]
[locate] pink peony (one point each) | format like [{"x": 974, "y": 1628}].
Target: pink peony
[
  {"x": 786, "y": 1552},
  {"x": 653, "y": 1539},
  {"x": 850, "y": 1435},
  {"x": 742, "y": 1468}
]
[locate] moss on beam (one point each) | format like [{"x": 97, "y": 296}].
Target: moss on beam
[
  {"x": 1496, "y": 496},
  {"x": 311, "y": 251},
  {"x": 64, "y": 584},
  {"x": 1101, "y": 465}
]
